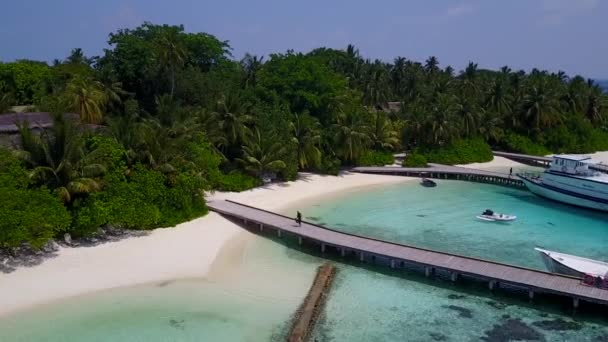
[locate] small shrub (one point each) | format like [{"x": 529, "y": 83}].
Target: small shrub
[
  {"x": 473, "y": 150},
  {"x": 236, "y": 181},
  {"x": 30, "y": 215},
  {"x": 415, "y": 160},
  {"x": 376, "y": 158},
  {"x": 329, "y": 166},
  {"x": 521, "y": 144}
]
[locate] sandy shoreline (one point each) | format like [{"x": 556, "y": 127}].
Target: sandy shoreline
[
  {"x": 189, "y": 250},
  {"x": 206, "y": 247}
]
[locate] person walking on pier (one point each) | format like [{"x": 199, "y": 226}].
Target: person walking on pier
[
  {"x": 510, "y": 172},
  {"x": 299, "y": 218}
]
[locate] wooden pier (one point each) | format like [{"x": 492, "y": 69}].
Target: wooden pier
[
  {"x": 446, "y": 172},
  {"x": 399, "y": 255},
  {"x": 540, "y": 161}
]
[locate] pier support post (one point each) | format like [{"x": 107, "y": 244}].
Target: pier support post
[
  {"x": 531, "y": 295},
  {"x": 392, "y": 263},
  {"x": 454, "y": 277},
  {"x": 492, "y": 285},
  {"x": 428, "y": 271},
  {"x": 342, "y": 251},
  {"x": 574, "y": 305},
  {"x": 362, "y": 256},
  {"x": 278, "y": 232},
  {"x": 299, "y": 240},
  {"x": 322, "y": 248},
  {"x": 261, "y": 227}
]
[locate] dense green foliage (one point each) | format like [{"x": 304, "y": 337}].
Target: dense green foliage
[
  {"x": 26, "y": 214},
  {"x": 415, "y": 159},
  {"x": 460, "y": 152},
  {"x": 175, "y": 115},
  {"x": 376, "y": 158},
  {"x": 523, "y": 144}
]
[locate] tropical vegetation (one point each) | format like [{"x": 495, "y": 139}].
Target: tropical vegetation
[{"x": 166, "y": 115}]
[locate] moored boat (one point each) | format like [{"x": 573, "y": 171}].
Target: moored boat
[
  {"x": 489, "y": 215},
  {"x": 428, "y": 183},
  {"x": 571, "y": 180},
  {"x": 572, "y": 265}
]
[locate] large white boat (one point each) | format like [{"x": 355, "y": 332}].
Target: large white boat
[
  {"x": 569, "y": 180},
  {"x": 572, "y": 265}
]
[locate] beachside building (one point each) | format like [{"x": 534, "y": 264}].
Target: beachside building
[{"x": 9, "y": 131}]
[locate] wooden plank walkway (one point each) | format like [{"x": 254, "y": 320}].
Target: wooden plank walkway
[
  {"x": 518, "y": 156},
  {"x": 535, "y": 281},
  {"x": 445, "y": 172}
]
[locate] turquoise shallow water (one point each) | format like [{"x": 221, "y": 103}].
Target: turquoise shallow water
[
  {"x": 368, "y": 306},
  {"x": 256, "y": 301},
  {"x": 443, "y": 218}
]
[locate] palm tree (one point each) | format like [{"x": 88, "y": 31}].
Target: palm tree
[
  {"x": 470, "y": 115},
  {"x": 574, "y": 96},
  {"x": 208, "y": 121},
  {"x": 376, "y": 85},
  {"x": 251, "y": 65},
  {"x": 469, "y": 79},
  {"x": 443, "y": 126},
  {"x": 596, "y": 105},
  {"x": 541, "y": 107},
  {"x": 166, "y": 109},
  {"x": 171, "y": 52},
  {"x": 86, "y": 97},
  {"x": 498, "y": 99},
  {"x": 490, "y": 127},
  {"x": 431, "y": 65},
  {"x": 398, "y": 73},
  {"x": 351, "y": 135},
  {"x": 58, "y": 159},
  {"x": 233, "y": 118},
  {"x": 382, "y": 134},
  {"x": 306, "y": 132},
  {"x": 77, "y": 57},
  {"x": 263, "y": 155}
]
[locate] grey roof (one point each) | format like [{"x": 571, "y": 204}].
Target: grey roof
[
  {"x": 36, "y": 120},
  {"x": 571, "y": 157}
]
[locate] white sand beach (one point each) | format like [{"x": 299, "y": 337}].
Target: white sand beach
[
  {"x": 187, "y": 251},
  {"x": 190, "y": 250},
  {"x": 497, "y": 162}
]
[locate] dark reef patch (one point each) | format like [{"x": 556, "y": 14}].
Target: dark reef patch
[
  {"x": 438, "y": 336},
  {"x": 456, "y": 296},
  {"x": 462, "y": 312},
  {"x": 558, "y": 325},
  {"x": 497, "y": 305},
  {"x": 177, "y": 324},
  {"x": 512, "y": 330}
]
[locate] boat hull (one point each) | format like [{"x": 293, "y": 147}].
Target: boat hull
[
  {"x": 546, "y": 192},
  {"x": 555, "y": 266}
]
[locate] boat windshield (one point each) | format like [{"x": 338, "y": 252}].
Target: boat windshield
[{"x": 488, "y": 212}]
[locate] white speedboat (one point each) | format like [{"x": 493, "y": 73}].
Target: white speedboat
[
  {"x": 489, "y": 215},
  {"x": 572, "y": 265},
  {"x": 572, "y": 180}
]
